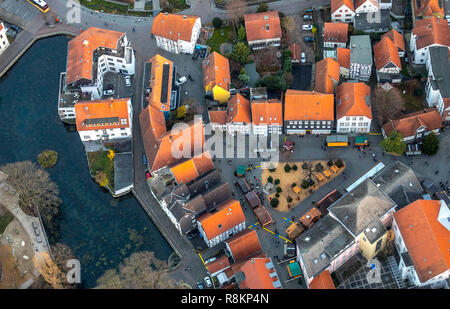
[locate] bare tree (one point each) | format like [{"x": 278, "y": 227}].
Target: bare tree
[
  {"x": 37, "y": 192},
  {"x": 142, "y": 270},
  {"x": 266, "y": 60},
  {"x": 288, "y": 27},
  {"x": 235, "y": 10},
  {"x": 48, "y": 269},
  {"x": 388, "y": 104}
]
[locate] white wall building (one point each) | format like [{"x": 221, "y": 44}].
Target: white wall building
[
  {"x": 438, "y": 82},
  {"x": 366, "y": 6},
  {"x": 4, "y": 43},
  {"x": 176, "y": 33},
  {"x": 342, "y": 11}
]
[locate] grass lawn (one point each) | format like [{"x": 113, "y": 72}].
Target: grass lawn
[
  {"x": 99, "y": 162},
  {"x": 5, "y": 219},
  {"x": 217, "y": 38}
]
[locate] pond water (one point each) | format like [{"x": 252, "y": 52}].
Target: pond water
[{"x": 100, "y": 230}]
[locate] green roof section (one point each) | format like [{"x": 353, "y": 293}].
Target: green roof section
[
  {"x": 361, "y": 140},
  {"x": 294, "y": 269},
  {"x": 241, "y": 170}
]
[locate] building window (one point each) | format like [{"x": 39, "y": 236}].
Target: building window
[{"x": 378, "y": 246}]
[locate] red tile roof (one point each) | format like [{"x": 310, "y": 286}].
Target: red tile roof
[
  {"x": 238, "y": 109},
  {"x": 216, "y": 71},
  {"x": 226, "y": 216},
  {"x": 427, "y": 240},
  {"x": 192, "y": 168},
  {"x": 244, "y": 244},
  {"x": 343, "y": 57},
  {"x": 256, "y": 26},
  {"x": 358, "y": 3},
  {"x": 217, "y": 265},
  {"x": 335, "y": 32},
  {"x": 386, "y": 52},
  {"x": 269, "y": 113},
  {"x": 408, "y": 124},
  {"x": 353, "y": 99},
  {"x": 396, "y": 37},
  {"x": 327, "y": 75},
  {"x": 173, "y": 26},
  {"x": 322, "y": 281},
  {"x": 431, "y": 31},
  {"x": 308, "y": 105},
  {"x": 428, "y": 8},
  {"x": 295, "y": 51},
  {"x": 81, "y": 50},
  {"x": 218, "y": 116},
  {"x": 102, "y": 114},
  {"x": 164, "y": 148},
  {"x": 156, "y": 83},
  {"x": 257, "y": 275},
  {"x": 337, "y": 4}
]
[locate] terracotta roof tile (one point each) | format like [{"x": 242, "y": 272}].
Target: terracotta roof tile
[
  {"x": 358, "y": 3},
  {"x": 335, "y": 32},
  {"x": 430, "y": 31},
  {"x": 238, "y": 109},
  {"x": 408, "y": 124},
  {"x": 343, "y": 57},
  {"x": 295, "y": 51},
  {"x": 322, "y": 281},
  {"x": 217, "y": 265},
  {"x": 102, "y": 114},
  {"x": 428, "y": 8},
  {"x": 81, "y": 50},
  {"x": 244, "y": 244},
  {"x": 337, "y": 4},
  {"x": 173, "y": 26},
  {"x": 257, "y": 275},
  {"x": 158, "y": 143},
  {"x": 218, "y": 116},
  {"x": 192, "y": 168},
  {"x": 270, "y": 113},
  {"x": 157, "y": 84},
  {"x": 308, "y": 105},
  {"x": 427, "y": 240},
  {"x": 226, "y": 216},
  {"x": 397, "y": 38},
  {"x": 386, "y": 52},
  {"x": 216, "y": 71},
  {"x": 353, "y": 99},
  {"x": 256, "y": 26},
  {"x": 327, "y": 75}
]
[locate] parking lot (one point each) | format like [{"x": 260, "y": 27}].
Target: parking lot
[
  {"x": 116, "y": 82},
  {"x": 298, "y": 36}
]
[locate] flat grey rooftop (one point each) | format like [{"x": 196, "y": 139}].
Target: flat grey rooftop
[
  {"x": 360, "y": 49},
  {"x": 123, "y": 170}
]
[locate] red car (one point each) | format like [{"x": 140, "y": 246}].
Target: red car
[{"x": 147, "y": 175}]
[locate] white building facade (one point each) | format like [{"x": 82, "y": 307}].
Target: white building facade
[
  {"x": 354, "y": 124},
  {"x": 223, "y": 236},
  {"x": 4, "y": 42},
  {"x": 343, "y": 15},
  {"x": 180, "y": 46}
]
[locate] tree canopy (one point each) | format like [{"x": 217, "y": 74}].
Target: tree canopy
[
  {"x": 394, "y": 143},
  {"x": 430, "y": 145},
  {"x": 241, "y": 51}
]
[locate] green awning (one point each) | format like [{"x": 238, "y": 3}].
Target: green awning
[
  {"x": 241, "y": 170},
  {"x": 295, "y": 269},
  {"x": 361, "y": 140}
]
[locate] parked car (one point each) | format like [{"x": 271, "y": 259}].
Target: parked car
[
  {"x": 203, "y": 53},
  {"x": 147, "y": 174},
  {"x": 181, "y": 81},
  {"x": 308, "y": 11},
  {"x": 208, "y": 282},
  {"x": 303, "y": 57},
  {"x": 307, "y": 17},
  {"x": 308, "y": 39},
  {"x": 39, "y": 239},
  {"x": 108, "y": 92},
  {"x": 16, "y": 28},
  {"x": 307, "y": 27},
  {"x": 127, "y": 80},
  {"x": 199, "y": 284},
  {"x": 429, "y": 187},
  {"x": 196, "y": 54},
  {"x": 144, "y": 159}
]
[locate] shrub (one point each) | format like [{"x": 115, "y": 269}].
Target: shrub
[
  {"x": 289, "y": 199},
  {"x": 394, "y": 143},
  {"x": 293, "y": 184},
  {"x": 418, "y": 92},
  {"x": 305, "y": 184},
  {"x": 272, "y": 168},
  {"x": 339, "y": 163},
  {"x": 262, "y": 7},
  {"x": 47, "y": 158},
  {"x": 277, "y": 181},
  {"x": 274, "y": 202},
  {"x": 319, "y": 167},
  {"x": 330, "y": 162},
  {"x": 305, "y": 166},
  {"x": 279, "y": 190},
  {"x": 430, "y": 144},
  {"x": 270, "y": 179},
  {"x": 277, "y": 194},
  {"x": 217, "y": 22},
  {"x": 294, "y": 167},
  {"x": 287, "y": 168}
]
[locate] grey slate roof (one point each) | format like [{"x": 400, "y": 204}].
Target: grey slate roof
[
  {"x": 374, "y": 230},
  {"x": 370, "y": 22},
  {"x": 123, "y": 170},
  {"x": 361, "y": 206},
  {"x": 360, "y": 49},
  {"x": 400, "y": 183},
  {"x": 321, "y": 243},
  {"x": 440, "y": 66}
]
